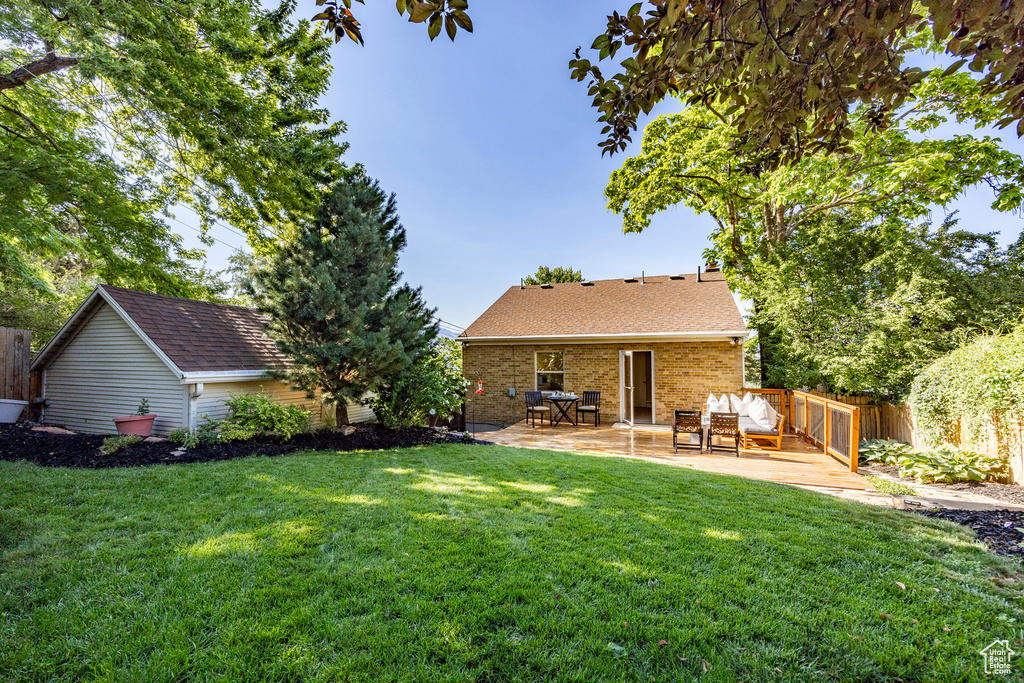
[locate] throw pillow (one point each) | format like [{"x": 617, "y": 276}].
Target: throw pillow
[
  {"x": 718, "y": 405},
  {"x": 741, "y": 405},
  {"x": 759, "y": 413}
]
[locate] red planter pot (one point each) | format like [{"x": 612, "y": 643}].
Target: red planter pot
[{"x": 138, "y": 425}]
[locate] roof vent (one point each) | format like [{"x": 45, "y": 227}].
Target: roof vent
[
  {"x": 547, "y": 286},
  {"x": 587, "y": 283},
  {"x": 631, "y": 280},
  {"x": 676, "y": 277}
]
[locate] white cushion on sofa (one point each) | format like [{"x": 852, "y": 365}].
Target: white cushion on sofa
[
  {"x": 759, "y": 413},
  {"x": 718, "y": 405},
  {"x": 741, "y": 405}
]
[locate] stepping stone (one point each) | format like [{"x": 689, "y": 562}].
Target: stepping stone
[
  {"x": 178, "y": 453},
  {"x": 153, "y": 439},
  {"x": 52, "y": 430}
]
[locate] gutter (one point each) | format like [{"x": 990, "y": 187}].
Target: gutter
[
  {"x": 216, "y": 376},
  {"x": 726, "y": 336}
]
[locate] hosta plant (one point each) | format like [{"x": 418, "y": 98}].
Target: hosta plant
[
  {"x": 884, "y": 451},
  {"x": 948, "y": 464}
]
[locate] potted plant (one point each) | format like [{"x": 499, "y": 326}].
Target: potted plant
[{"x": 140, "y": 424}]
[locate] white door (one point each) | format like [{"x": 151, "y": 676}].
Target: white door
[{"x": 626, "y": 386}]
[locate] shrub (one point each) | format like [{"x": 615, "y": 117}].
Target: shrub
[
  {"x": 977, "y": 386},
  {"x": 258, "y": 414},
  {"x": 112, "y": 444},
  {"x": 949, "y": 464},
  {"x": 205, "y": 433},
  {"x": 884, "y": 451},
  {"x": 893, "y": 488},
  {"x": 143, "y": 408},
  {"x": 433, "y": 386}
]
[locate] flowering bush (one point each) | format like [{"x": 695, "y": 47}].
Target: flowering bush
[{"x": 434, "y": 386}]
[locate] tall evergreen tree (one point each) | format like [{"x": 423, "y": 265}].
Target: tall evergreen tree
[{"x": 333, "y": 295}]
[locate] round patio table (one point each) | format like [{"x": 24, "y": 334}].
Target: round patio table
[{"x": 562, "y": 404}]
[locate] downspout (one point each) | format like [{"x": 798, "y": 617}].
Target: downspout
[{"x": 192, "y": 398}]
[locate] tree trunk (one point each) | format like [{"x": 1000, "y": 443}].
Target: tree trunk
[
  {"x": 340, "y": 414},
  {"x": 767, "y": 340}
]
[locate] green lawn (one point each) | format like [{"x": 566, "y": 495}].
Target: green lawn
[{"x": 477, "y": 563}]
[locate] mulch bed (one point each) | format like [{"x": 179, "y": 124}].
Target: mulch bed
[
  {"x": 19, "y": 442},
  {"x": 1011, "y": 493},
  {"x": 1001, "y": 530}
]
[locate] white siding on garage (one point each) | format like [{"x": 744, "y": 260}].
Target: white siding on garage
[
  {"x": 211, "y": 403},
  {"x": 104, "y": 372}
]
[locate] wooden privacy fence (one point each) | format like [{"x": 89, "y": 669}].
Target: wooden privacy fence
[
  {"x": 880, "y": 420},
  {"x": 15, "y": 358}
]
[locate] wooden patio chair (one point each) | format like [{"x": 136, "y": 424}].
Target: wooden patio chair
[
  {"x": 772, "y": 436},
  {"x": 589, "y": 404},
  {"x": 535, "y": 405},
  {"x": 725, "y": 424},
  {"x": 687, "y": 422}
]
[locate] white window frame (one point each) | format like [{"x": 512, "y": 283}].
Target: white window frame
[{"x": 536, "y": 386}]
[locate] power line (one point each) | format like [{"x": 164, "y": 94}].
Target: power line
[{"x": 191, "y": 227}]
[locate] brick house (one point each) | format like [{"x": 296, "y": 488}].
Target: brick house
[{"x": 665, "y": 342}]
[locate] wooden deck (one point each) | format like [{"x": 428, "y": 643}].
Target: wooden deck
[{"x": 798, "y": 462}]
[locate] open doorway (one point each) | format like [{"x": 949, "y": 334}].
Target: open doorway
[
  {"x": 637, "y": 387},
  {"x": 643, "y": 394}
]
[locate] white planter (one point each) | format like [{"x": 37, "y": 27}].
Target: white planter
[{"x": 10, "y": 410}]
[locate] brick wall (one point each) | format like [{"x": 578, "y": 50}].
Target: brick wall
[{"x": 684, "y": 374}]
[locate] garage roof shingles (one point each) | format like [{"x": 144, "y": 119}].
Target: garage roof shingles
[
  {"x": 199, "y": 336},
  {"x": 661, "y": 305}
]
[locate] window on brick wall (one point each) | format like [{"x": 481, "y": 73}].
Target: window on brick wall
[{"x": 550, "y": 371}]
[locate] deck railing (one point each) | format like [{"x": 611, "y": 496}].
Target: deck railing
[{"x": 832, "y": 425}]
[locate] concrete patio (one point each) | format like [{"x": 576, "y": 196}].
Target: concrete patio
[{"x": 797, "y": 463}]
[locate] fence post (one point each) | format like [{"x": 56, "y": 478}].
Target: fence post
[
  {"x": 828, "y": 425},
  {"x": 854, "y": 439}
]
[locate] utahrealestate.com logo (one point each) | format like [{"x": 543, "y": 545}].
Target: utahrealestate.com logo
[{"x": 997, "y": 657}]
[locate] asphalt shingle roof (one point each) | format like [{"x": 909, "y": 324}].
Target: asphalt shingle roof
[
  {"x": 199, "y": 336},
  {"x": 662, "y": 305}
]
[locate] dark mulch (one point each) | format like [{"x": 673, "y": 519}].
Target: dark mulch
[
  {"x": 1002, "y": 530},
  {"x": 1011, "y": 493},
  {"x": 19, "y": 442}
]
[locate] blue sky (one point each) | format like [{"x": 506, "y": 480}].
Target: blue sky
[{"x": 492, "y": 151}]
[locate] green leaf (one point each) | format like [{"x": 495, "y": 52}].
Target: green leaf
[
  {"x": 463, "y": 20},
  {"x": 420, "y": 12},
  {"x": 434, "y": 27}
]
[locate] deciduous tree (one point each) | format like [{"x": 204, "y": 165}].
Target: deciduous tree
[
  {"x": 112, "y": 113},
  {"x": 545, "y": 275},
  {"x": 888, "y": 180},
  {"x": 787, "y": 75}
]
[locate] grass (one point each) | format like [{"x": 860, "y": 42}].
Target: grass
[
  {"x": 893, "y": 488},
  {"x": 478, "y": 563}
]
